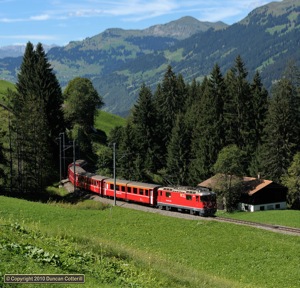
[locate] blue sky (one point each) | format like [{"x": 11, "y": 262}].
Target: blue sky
[{"x": 61, "y": 21}]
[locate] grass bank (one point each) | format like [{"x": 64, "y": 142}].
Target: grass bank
[
  {"x": 159, "y": 251},
  {"x": 289, "y": 218}
]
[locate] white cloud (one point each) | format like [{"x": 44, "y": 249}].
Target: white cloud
[
  {"x": 41, "y": 17},
  {"x": 138, "y": 10}
]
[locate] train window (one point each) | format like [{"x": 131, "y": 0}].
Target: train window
[
  {"x": 123, "y": 188},
  {"x": 135, "y": 190},
  {"x": 160, "y": 193},
  {"x": 168, "y": 194},
  {"x": 111, "y": 186},
  {"x": 118, "y": 187},
  {"x": 146, "y": 192},
  {"x": 141, "y": 191},
  {"x": 197, "y": 198},
  {"x": 188, "y": 197},
  {"x": 128, "y": 189}
]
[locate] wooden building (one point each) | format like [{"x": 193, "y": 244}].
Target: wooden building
[{"x": 257, "y": 195}]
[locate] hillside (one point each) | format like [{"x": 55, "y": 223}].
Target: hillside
[
  {"x": 119, "y": 247},
  {"x": 119, "y": 61}
]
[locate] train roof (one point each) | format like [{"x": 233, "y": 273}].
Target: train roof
[
  {"x": 189, "y": 190},
  {"x": 132, "y": 183},
  {"x": 82, "y": 172}
]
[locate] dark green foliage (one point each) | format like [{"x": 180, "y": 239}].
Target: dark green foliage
[
  {"x": 292, "y": 181},
  {"x": 223, "y": 125},
  {"x": 144, "y": 120},
  {"x": 49, "y": 89},
  {"x": 230, "y": 165},
  {"x": 260, "y": 107},
  {"x": 281, "y": 130},
  {"x": 168, "y": 102},
  {"x": 239, "y": 107},
  {"x": 208, "y": 135},
  {"x": 37, "y": 121},
  {"x": 82, "y": 103},
  {"x": 3, "y": 177},
  {"x": 179, "y": 153}
]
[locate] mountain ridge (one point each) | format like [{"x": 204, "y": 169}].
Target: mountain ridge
[{"x": 118, "y": 61}]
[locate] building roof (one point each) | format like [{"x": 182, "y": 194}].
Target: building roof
[{"x": 251, "y": 184}]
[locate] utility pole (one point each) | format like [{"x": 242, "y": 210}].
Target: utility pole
[
  {"x": 114, "y": 168},
  {"x": 64, "y": 155},
  {"x": 60, "y": 177},
  {"x": 74, "y": 166}
]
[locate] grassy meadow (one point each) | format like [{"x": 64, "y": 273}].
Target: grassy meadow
[
  {"x": 290, "y": 218},
  {"x": 117, "y": 247},
  {"x": 106, "y": 121}
]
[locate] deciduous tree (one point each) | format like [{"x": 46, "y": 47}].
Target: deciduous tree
[{"x": 230, "y": 165}]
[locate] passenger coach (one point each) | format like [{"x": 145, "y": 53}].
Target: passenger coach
[{"x": 195, "y": 200}]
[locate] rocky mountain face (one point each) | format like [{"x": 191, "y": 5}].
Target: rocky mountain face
[{"x": 118, "y": 61}]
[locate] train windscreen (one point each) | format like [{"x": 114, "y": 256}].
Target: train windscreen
[{"x": 208, "y": 198}]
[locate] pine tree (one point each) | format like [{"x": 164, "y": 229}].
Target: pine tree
[
  {"x": 36, "y": 120},
  {"x": 239, "y": 108},
  {"x": 126, "y": 157},
  {"x": 179, "y": 153},
  {"x": 260, "y": 107},
  {"x": 49, "y": 89},
  {"x": 168, "y": 102},
  {"x": 208, "y": 136},
  {"x": 144, "y": 120},
  {"x": 281, "y": 131}
]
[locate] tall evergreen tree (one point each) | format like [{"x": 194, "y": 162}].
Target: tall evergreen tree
[
  {"x": 260, "y": 107},
  {"x": 37, "y": 114},
  {"x": 49, "y": 89},
  {"x": 179, "y": 153},
  {"x": 168, "y": 102},
  {"x": 239, "y": 108},
  {"x": 144, "y": 120},
  {"x": 208, "y": 138},
  {"x": 281, "y": 131}
]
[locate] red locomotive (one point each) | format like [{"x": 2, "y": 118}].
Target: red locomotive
[{"x": 196, "y": 200}]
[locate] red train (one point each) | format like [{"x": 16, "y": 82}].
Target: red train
[{"x": 196, "y": 200}]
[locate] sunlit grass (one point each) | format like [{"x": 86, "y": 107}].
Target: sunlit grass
[
  {"x": 277, "y": 217},
  {"x": 183, "y": 253}
]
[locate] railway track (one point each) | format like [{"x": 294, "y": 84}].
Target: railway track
[
  {"x": 270, "y": 227},
  {"x": 276, "y": 228}
]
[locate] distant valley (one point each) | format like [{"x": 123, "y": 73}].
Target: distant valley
[{"x": 119, "y": 61}]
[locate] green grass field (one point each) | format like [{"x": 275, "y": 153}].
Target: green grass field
[
  {"x": 116, "y": 247},
  {"x": 289, "y": 218},
  {"x": 106, "y": 121}
]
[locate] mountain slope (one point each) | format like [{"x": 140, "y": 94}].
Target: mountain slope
[
  {"x": 267, "y": 39},
  {"x": 119, "y": 61}
]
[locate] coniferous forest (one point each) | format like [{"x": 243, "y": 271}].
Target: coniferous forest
[
  {"x": 180, "y": 134},
  {"x": 187, "y": 132}
]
